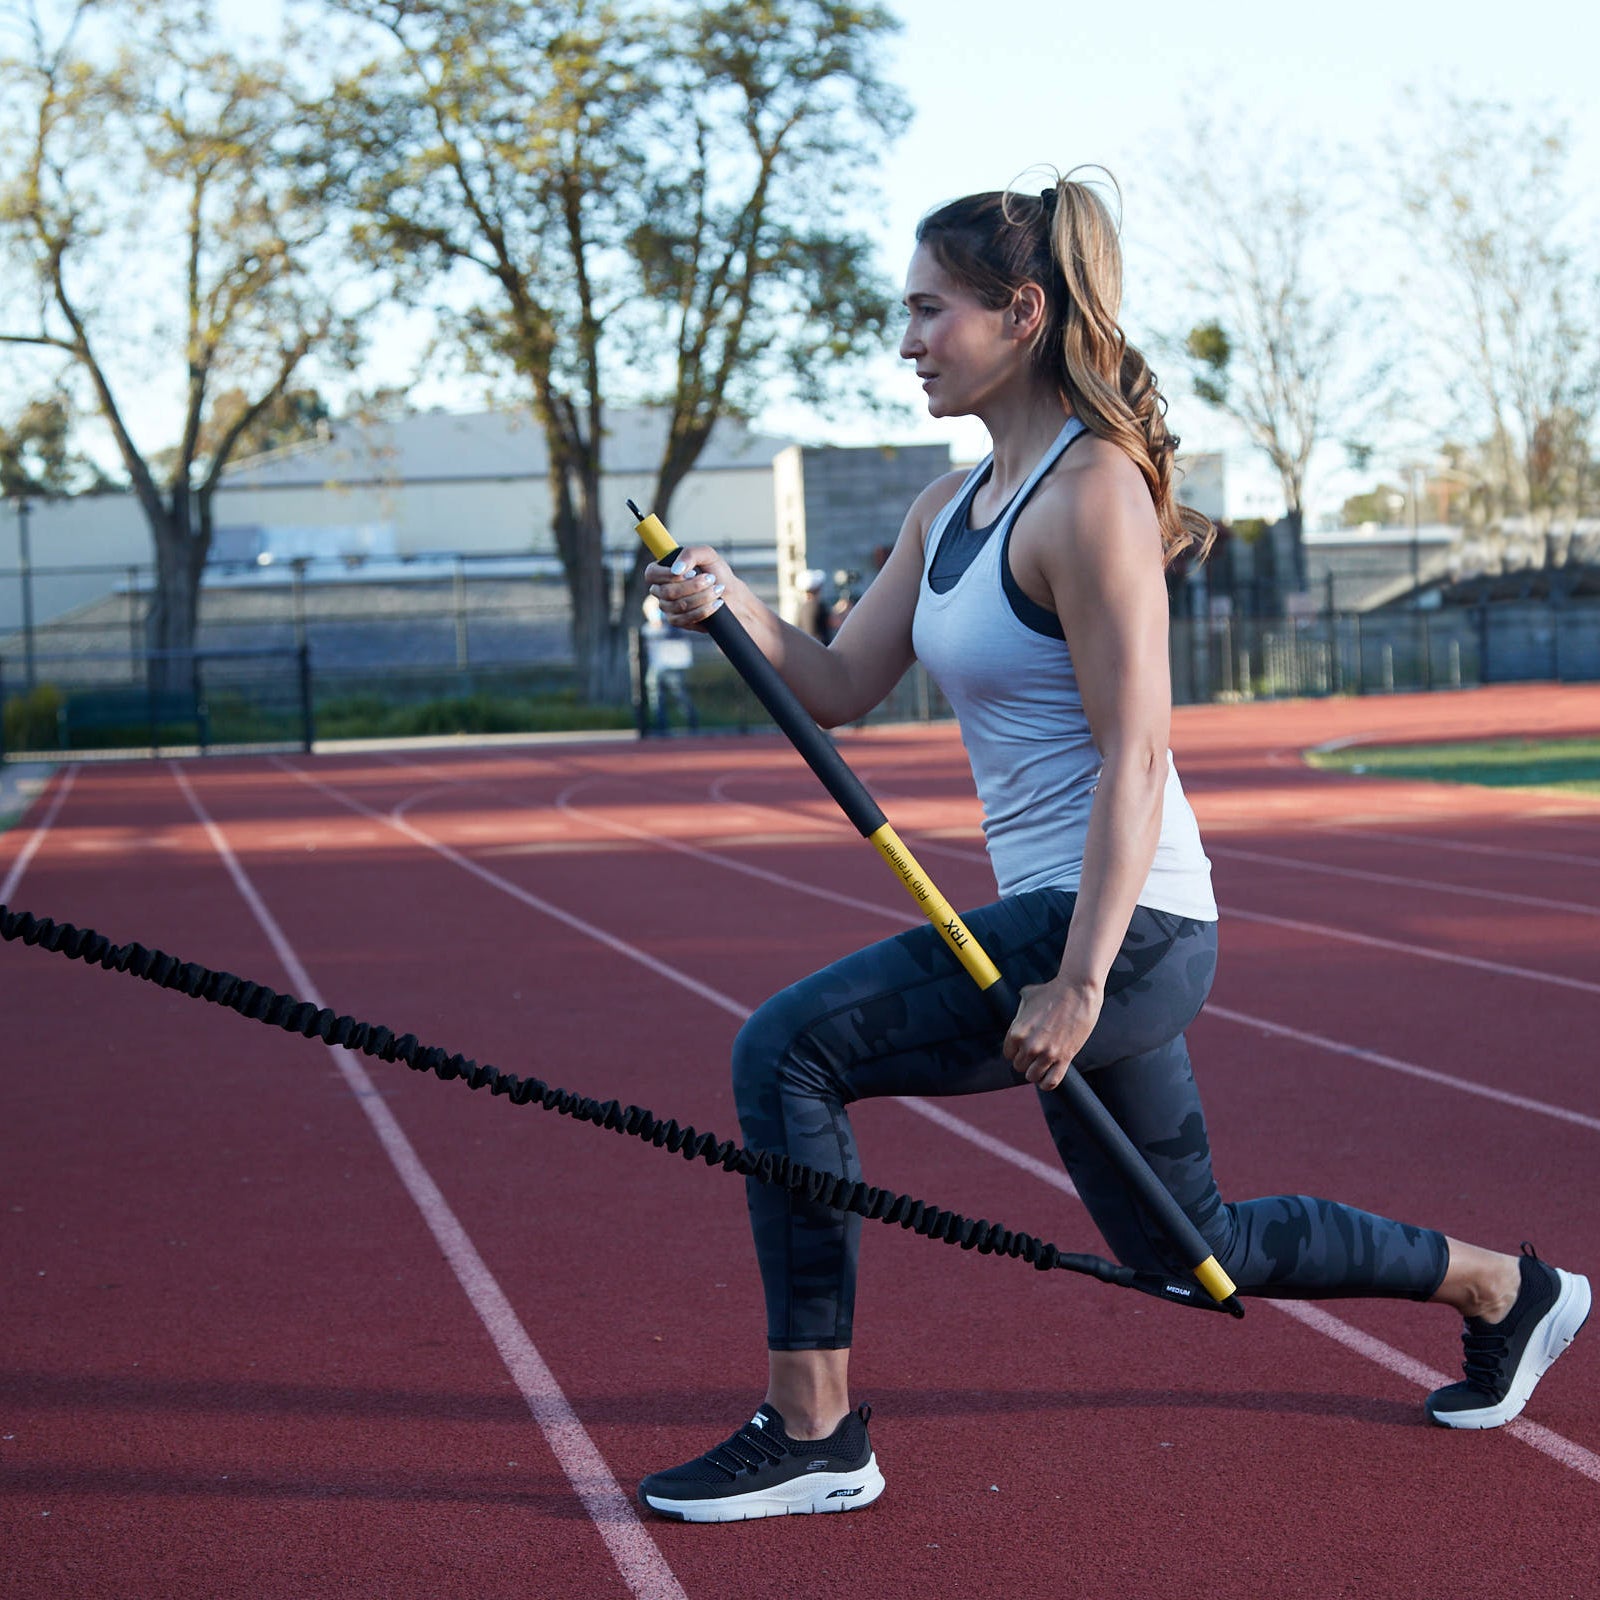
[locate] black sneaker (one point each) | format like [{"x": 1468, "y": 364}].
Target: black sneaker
[
  {"x": 762, "y": 1472},
  {"x": 1506, "y": 1359}
]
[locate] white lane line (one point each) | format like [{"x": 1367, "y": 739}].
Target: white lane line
[
  {"x": 1556, "y": 1446},
  {"x": 962, "y": 1129},
  {"x": 1321, "y": 930},
  {"x": 1503, "y": 969},
  {"x": 1471, "y": 891},
  {"x": 516, "y": 891},
  {"x": 643, "y": 1567},
  {"x": 748, "y": 869},
  {"x": 426, "y": 794},
  {"x": 1550, "y": 1443},
  {"x": 1410, "y": 1068},
  {"x": 1317, "y": 1040},
  {"x": 831, "y": 824},
  {"x": 1361, "y": 830},
  {"x": 36, "y": 838}
]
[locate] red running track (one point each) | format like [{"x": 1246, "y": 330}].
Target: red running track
[{"x": 277, "y": 1325}]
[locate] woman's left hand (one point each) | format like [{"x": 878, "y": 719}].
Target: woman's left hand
[{"x": 1052, "y": 1024}]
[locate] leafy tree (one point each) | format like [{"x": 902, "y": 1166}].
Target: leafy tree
[
  {"x": 1372, "y": 505},
  {"x": 1282, "y": 349},
  {"x": 292, "y": 417},
  {"x": 1509, "y": 301},
  {"x": 36, "y": 454},
  {"x": 148, "y": 192},
  {"x": 642, "y": 205}
]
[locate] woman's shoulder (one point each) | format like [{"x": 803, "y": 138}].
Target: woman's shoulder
[
  {"x": 927, "y": 506},
  {"x": 940, "y": 492},
  {"x": 1093, "y": 501},
  {"x": 1095, "y": 480}
]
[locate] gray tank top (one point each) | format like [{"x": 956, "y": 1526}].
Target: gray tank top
[{"x": 1015, "y": 695}]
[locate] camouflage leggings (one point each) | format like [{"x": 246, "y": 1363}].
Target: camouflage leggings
[{"x": 902, "y": 1018}]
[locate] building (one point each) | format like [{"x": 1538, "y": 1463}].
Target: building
[
  {"x": 440, "y": 482},
  {"x": 392, "y": 499},
  {"x": 839, "y": 510},
  {"x": 1366, "y": 567},
  {"x": 384, "y": 496}
]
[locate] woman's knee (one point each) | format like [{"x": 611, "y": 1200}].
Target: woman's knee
[{"x": 770, "y": 1059}]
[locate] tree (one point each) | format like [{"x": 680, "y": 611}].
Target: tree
[
  {"x": 150, "y": 175},
  {"x": 1509, "y": 297},
  {"x": 1372, "y": 505},
  {"x": 36, "y": 454},
  {"x": 645, "y": 206},
  {"x": 1281, "y": 348},
  {"x": 295, "y": 416}
]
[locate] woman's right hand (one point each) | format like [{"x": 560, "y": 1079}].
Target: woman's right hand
[{"x": 692, "y": 588}]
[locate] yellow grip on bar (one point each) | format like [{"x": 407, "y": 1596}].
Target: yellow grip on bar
[
  {"x": 657, "y": 540},
  {"x": 938, "y": 910},
  {"x": 1214, "y": 1280}
]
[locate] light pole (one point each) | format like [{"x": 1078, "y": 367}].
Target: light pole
[
  {"x": 23, "y": 506},
  {"x": 1414, "y": 473},
  {"x": 1424, "y": 640}
]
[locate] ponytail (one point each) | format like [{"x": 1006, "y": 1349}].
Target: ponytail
[{"x": 1065, "y": 240}]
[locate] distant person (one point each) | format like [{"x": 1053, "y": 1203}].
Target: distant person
[
  {"x": 1031, "y": 588},
  {"x": 816, "y": 616},
  {"x": 667, "y": 659},
  {"x": 844, "y": 583}
]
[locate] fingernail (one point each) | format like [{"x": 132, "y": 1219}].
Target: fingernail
[
  {"x": 719, "y": 588},
  {"x": 678, "y": 567}
]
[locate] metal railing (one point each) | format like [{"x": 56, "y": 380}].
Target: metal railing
[
  {"x": 483, "y": 646},
  {"x": 450, "y": 612},
  {"x": 1383, "y": 652},
  {"x": 163, "y": 702}
]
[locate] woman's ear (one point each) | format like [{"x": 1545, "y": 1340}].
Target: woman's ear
[{"x": 1025, "y": 315}]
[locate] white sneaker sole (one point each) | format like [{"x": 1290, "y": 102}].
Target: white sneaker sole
[
  {"x": 1556, "y": 1330},
  {"x": 816, "y": 1492}
]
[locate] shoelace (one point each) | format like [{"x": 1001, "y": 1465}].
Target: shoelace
[
  {"x": 757, "y": 1451},
  {"x": 1486, "y": 1350}
]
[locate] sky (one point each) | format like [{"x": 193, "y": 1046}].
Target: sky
[{"x": 1001, "y": 87}]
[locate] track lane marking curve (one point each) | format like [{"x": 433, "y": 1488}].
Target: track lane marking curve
[
  {"x": 1244, "y": 1019},
  {"x": 1360, "y": 830},
  {"x": 1565, "y": 1452},
  {"x": 37, "y": 837},
  {"x": 1431, "y": 885},
  {"x": 1322, "y": 930}
]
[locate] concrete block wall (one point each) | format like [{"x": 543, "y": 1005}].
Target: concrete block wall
[{"x": 837, "y": 507}]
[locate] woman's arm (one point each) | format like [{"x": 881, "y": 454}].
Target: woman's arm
[
  {"x": 836, "y": 682},
  {"x": 1092, "y": 549}
]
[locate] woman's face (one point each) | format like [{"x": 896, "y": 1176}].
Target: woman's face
[{"x": 963, "y": 351}]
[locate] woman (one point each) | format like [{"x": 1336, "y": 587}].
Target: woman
[{"x": 1032, "y": 589}]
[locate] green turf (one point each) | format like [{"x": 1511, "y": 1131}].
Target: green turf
[{"x": 1569, "y": 764}]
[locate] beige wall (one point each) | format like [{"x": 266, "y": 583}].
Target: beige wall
[
  {"x": 510, "y": 516},
  {"x": 94, "y": 531},
  {"x": 500, "y": 517}
]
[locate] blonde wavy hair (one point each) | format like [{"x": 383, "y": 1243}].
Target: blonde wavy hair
[{"x": 1065, "y": 240}]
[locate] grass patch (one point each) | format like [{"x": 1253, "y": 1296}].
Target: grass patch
[
  {"x": 1572, "y": 765},
  {"x": 368, "y": 716}
]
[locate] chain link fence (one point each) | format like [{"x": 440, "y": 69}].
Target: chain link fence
[
  {"x": 162, "y": 702},
  {"x": 482, "y": 644}
]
